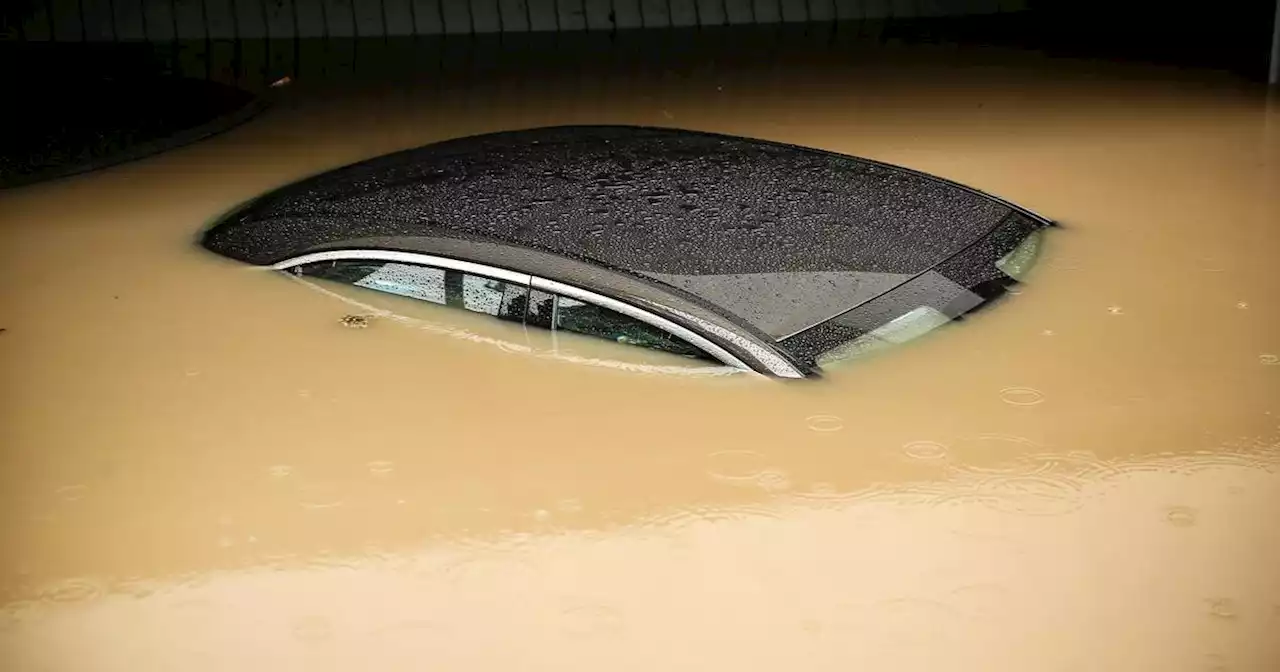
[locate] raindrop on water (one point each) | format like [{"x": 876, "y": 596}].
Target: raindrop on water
[
  {"x": 320, "y": 496},
  {"x": 569, "y": 505},
  {"x": 925, "y": 450},
  {"x": 380, "y": 467},
  {"x": 1222, "y": 607},
  {"x": 735, "y": 465},
  {"x": 773, "y": 480},
  {"x": 72, "y": 493},
  {"x": 1021, "y": 396},
  {"x": 1180, "y": 516},
  {"x": 823, "y": 489},
  {"x": 825, "y": 423},
  {"x": 77, "y": 589}
]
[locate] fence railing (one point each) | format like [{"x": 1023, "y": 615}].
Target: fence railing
[{"x": 176, "y": 20}]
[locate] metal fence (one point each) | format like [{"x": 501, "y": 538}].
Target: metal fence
[
  {"x": 161, "y": 21},
  {"x": 252, "y": 43}
]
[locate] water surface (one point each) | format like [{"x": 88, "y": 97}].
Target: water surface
[{"x": 204, "y": 470}]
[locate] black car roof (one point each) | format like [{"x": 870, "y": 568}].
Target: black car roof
[{"x": 783, "y": 237}]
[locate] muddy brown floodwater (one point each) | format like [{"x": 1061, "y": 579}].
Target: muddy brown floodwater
[{"x": 203, "y": 470}]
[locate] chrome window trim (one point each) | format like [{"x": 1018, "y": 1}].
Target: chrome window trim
[
  {"x": 409, "y": 258},
  {"x": 532, "y": 282},
  {"x": 776, "y": 364},
  {"x": 645, "y": 316}
]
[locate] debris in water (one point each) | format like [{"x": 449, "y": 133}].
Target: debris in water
[{"x": 355, "y": 321}]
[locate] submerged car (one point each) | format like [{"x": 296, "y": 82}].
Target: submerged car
[{"x": 759, "y": 255}]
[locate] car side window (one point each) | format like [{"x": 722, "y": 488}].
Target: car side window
[
  {"x": 447, "y": 287},
  {"x": 498, "y": 298},
  {"x": 416, "y": 282},
  {"x": 592, "y": 320},
  {"x": 541, "y": 309}
]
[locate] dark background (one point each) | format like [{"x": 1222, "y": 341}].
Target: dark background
[
  {"x": 95, "y": 82},
  {"x": 251, "y": 42}
]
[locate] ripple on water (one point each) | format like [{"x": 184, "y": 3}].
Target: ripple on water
[
  {"x": 1000, "y": 448},
  {"x": 825, "y": 423},
  {"x": 1031, "y": 493},
  {"x": 569, "y": 505},
  {"x": 823, "y": 494},
  {"x": 380, "y": 467},
  {"x": 696, "y": 515},
  {"x": 823, "y": 490},
  {"x": 735, "y": 465},
  {"x": 925, "y": 450},
  {"x": 79, "y": 589},
  {"x": 1180, "y": 516},
  {"x": 1036, "y": 494},
  {"x": 72, "y": 493},
  {"x": 316, "y": 496},
  {"x": 1080, "y": 465},
  {"x": 1198, "y": 461},
  {"x": 511, "y": 348},
  {"x": 1223, "y": 608},
  {"x": 15, "y": 614},
  {"x": 773, "y": 480},
  {"x": 1021, "y": 396}
]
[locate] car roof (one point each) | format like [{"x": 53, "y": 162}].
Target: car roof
[{"x": 782, "y": 237}]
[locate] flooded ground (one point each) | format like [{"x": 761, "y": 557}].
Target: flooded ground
[{"x": 204, "y": 470}]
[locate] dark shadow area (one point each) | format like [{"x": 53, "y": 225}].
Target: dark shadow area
[
  {"x": 82, "y": 107},
  {"x": 1233, "y": 36},
  {"x": 85, "y": 105}
]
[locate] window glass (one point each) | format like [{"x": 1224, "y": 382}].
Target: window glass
[
  {"x": 481, "y": 295},
  {"x": 541, "y": 308},
  {"x": 592, "y": 320},
  {"x": 435, "y": 285},
  {"x": 504, "y": 300},
  {"x": 515, "y": 299},
  {"x": 415, "y": 282}
]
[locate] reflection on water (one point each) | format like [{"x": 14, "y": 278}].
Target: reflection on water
[{"x": 200, "y": 462}]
